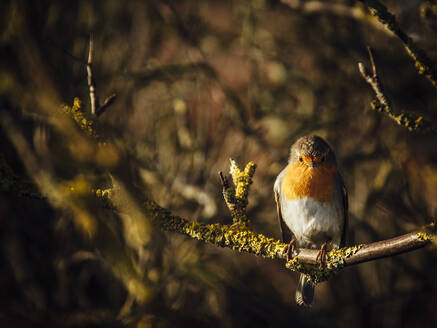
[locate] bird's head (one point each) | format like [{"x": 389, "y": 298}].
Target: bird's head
[{"x": 312, "y": 152}]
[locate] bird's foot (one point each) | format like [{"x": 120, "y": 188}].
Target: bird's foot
[
  {"x": 290, "y": 248},
  {"x": 322, "y": 254}
]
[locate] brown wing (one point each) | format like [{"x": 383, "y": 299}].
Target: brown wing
[
  {"x": 286, "y": 233},
  {"x": 345, "y": 208}
]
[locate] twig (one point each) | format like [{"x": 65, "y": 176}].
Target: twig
[
  {"x": 91, "y": 83},
  {"x": 236, "y": 198},
  {"x": 388, "y": 20},
  {"x": 96, "y": 109},
  {"x": 224, "y": 180},
  {"x": 374, "y": 81},
  {"x": 108, "y": 102},
  {"x": 382, "y": 103}
]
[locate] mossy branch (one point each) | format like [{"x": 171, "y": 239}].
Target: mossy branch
[
  {"x": 84, "y": 120},
  {"x": 238, "y": 236},
  {"x": 382, "y": 103},
  {"x": 388, "y": 20},
  {"x": 236, "y": 197}
]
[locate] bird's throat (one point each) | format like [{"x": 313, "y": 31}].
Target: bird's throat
[{"x": 300, "y": 181}]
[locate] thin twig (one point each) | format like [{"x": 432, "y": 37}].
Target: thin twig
[
  {"x": 372, "y": 61},
  {"x": 108, "y": 102},
  {"x": 224, "y": 180},
  {"x": 373, "y": 80},
  {"x": 91, "y": 83},
  {"x": 96, "y": 109}
]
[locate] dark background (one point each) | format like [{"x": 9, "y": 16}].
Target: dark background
[{"x": 199, "y": 82}]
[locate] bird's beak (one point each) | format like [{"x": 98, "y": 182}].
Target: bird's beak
[{"x": 312, "y": 164}]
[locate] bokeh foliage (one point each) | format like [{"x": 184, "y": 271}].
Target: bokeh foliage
[{"x": 198, "y": 83}]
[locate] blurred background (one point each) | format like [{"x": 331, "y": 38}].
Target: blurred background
[{"x": 198, "y": 83}]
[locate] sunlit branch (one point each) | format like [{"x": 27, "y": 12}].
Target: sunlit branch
[
  {"x": 96, "y": 109},
  {"x": 388, "y": 20},
  {"x": 382, "y": 103},
  {"x": 239, "y": 236}
]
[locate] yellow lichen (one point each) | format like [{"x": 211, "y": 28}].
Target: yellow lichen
[
  {"x": 103, "y": 194},
  {"x": 424, "y": 236},
  {"x": 85, "y": 123},
  {"x": 335, "y": 261},
  {"x": 242, "y": 179},
  {"x": 236, "y": 198}
]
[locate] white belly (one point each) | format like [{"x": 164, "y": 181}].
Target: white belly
[{"x": 313, "y": 223}]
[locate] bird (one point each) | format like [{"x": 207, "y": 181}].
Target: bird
[{"x": 312, "y": 204}]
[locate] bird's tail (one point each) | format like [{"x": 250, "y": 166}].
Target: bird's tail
[{"x": 304, "y": 291}]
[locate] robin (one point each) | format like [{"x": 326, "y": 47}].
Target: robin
[{"x": 312, "y": 204}]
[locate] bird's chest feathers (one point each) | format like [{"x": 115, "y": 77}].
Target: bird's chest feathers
[{"x": 317, "y": 183}]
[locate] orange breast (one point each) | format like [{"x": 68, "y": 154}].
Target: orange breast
[{"x": 302, "y": 181}]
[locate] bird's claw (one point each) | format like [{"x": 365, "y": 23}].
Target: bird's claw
[
  {"x": 322, "y": 254},
  {"x": 290, "y": 248}
]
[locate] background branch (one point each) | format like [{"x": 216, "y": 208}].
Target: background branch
[
  {"x": 421, "y": 61},
  {"x": 382, "y": 103},
  {"x": 96, "y": 109}
]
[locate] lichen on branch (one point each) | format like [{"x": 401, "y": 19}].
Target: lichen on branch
[
  {"x": 235, "y": 236},
  {"x": 238, "y": 236},
  {"x": 388, "y": 20},
  {"x": 236, "y": 196},
  {"x": 84, "y": 121},
  {"x": 409, "y": 120}
]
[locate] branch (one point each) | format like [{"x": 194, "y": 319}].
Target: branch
[
  {"x": 96, "y": 109},
  {"x": 382, "y": 103},
  {"x": 238, "y": 236},
  {"x": 388, "y": 20},
  {"x": 373, "y": 80},
  {"x": 333, "y": 8}
]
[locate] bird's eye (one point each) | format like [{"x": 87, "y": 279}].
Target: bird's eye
[{"x": 300, "y": 159}]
